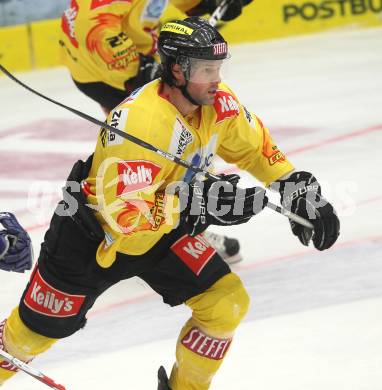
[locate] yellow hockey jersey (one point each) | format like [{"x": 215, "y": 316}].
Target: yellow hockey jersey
[
  {"x": 101, "y": 39},
  {"x": 127, "y": 183}
]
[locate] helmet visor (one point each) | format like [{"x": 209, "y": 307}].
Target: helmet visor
[{"x": 206, "y": 71}]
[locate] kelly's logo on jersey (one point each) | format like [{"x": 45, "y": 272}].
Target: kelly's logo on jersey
[
  {"x": 226, "y": 106},
  {"x": 67, "y": 22},
  {"x": 135, "y": 175},
  {"x": 195, "y": 252},
  {"x": 45, "y": 299},
  {"x": 206, "y": 346}
]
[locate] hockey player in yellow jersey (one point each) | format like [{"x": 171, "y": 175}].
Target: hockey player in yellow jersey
[
  {"x": 110, "y": 48},
  {"x": 128, "y": 211}
]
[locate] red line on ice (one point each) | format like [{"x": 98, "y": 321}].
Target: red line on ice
[
  {"x": 334, "y": 140},
  {"x": 317, "y": 145}
]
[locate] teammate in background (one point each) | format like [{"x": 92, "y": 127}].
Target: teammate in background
[
  {"x": 148, "y": 213},
  {"x": 110, "y": 48},
  {"x": 15, "y": 245}
]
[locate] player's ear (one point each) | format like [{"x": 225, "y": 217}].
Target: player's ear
[{"x": 178, "y": 74}]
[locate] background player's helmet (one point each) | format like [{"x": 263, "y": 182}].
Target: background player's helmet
[{"x": 182, "y": 41}]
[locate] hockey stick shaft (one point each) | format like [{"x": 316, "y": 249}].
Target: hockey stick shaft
[
  {"x": 148, "y": 146},
  {"x": 294, "y": 217},
  {"x": 219, "y": 12},
  {"x": 123, "y": 134},
  {"x": 30, "y": 371}
]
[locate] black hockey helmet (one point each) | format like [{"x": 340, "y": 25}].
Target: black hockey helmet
[{"x": 180, "y": 41}]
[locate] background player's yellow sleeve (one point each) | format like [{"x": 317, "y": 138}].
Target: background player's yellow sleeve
[
  {"x": 184, "y": 5},
  {"x": 141, "y": 25}
]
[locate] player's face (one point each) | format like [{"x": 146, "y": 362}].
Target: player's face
[
  {"x": 203, "y": 94},
  {"x": 205, "y": 76}
]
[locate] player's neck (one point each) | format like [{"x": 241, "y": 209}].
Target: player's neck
[{"x": 175, "y": 96}]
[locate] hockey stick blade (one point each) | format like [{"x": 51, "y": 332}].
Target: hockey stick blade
[
  {"x": 148, "y": 146},
  {"x": 31, "y": 371}
]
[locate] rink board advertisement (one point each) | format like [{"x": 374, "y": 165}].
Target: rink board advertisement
[
  {"x": 15, "y": 50},
  {"x": 282, "y": 18},
  {"x": 36, "y": 44}
]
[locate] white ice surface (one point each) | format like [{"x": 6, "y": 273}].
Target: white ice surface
[{"x": 315, "y": 320}]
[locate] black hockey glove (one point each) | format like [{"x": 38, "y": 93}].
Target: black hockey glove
[
  {"x": 148, "y": 71},
  {"x": 301, "y": 194},
  {"x": 211, "y": 202},
  {"x": 208, "y": 6},
  {"x": 16, "y": 252}
]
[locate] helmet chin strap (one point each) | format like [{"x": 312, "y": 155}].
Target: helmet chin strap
[{"x": 186, "y": 94}]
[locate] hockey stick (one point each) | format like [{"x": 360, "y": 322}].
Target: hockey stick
[
  {"x": 31, "y": 371},
  {"x": 219, "y": 12},
  {"x": 146, "y": 145}
]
